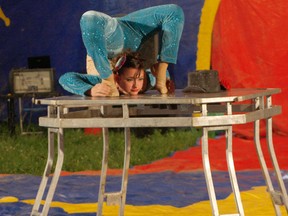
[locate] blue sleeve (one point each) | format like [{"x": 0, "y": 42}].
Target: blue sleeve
[{"x": 77, "y": 83}]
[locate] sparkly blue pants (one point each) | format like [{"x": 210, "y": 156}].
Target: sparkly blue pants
[{"x": 105, "y": 36}]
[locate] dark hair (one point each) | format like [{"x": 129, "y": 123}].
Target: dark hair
[{"x": 128, "y": 59}]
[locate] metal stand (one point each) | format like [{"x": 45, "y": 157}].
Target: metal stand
[
  {"x": 10, "y": 102},
  {"x": 231, "y": 169},
  {"x": 45, "y": 177},
  {"x": 278, "y": 197},
  {"x": 23, "y": 112},
  {"x": 11, "y": 114},
  {"x": 114, "y": 198},
  {"x": 230, "y": 164},
  {"x": 132, "y": 114}
]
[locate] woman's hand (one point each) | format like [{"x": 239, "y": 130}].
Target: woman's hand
[{"x": 100, "y": 89}]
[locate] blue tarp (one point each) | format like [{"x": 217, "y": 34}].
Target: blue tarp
[{"x": 163, "y": 189}]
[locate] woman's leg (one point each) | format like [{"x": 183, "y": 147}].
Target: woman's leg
[
  {"x": 97, "y": 29},
  {"x": 160, "y": 70},
  {"x": 93, "y": 27},
  {"x": 169, "y": 20}
]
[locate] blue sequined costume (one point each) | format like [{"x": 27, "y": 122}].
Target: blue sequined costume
[{"x": 104, "y": 37}]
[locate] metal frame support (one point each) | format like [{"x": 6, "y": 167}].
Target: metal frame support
[
  {"x": 230, "y": 163},
  {"x": 115, "y": 198},
  {"x": 52, "y": 132},
  {"x": 49, "y": 164},
  {"x": 278, "y": 197},
  {"x": 261, "y": 109}
]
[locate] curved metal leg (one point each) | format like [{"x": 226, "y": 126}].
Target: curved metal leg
[
  {"x": 208, "y": 174},
  {"x": 283, "y": 193},
  {"x": 55, "y": 178},
  {"x": 263, "y": 165},
  {"x": 103, "y": 171},
  {"x": 231, "y": 169},
  {"x": 114, "y": 197},
  {"x": 278, "y": 197},
  {"x": 125, "y": 171},
  {"x": 46, "y": 174},
  {"x": 56, "y": 175},
  {"x": 232, "y": 172}
]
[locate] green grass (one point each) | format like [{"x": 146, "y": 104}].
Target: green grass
[{"x": 26, "y": 154}]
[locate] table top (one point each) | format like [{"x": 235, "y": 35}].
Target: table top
[{"x": 153, "y": 97}]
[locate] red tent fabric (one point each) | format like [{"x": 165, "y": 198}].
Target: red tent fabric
[{"x": 250, "y": 49}]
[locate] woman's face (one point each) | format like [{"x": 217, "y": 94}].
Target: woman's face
[{"x": 131, "y": 81}]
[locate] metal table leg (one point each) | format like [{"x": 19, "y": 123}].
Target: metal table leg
[
  {"x": 232, "y": 172},
  {"x": 103, "y": 171},
  {"x": 125, "y": 170},
  {"x": 114, "y": 198},
  {"x": 284, "y": 196},
  {"x": 283, "y": 192},
  {"x": 46, "y": 174},
  {"x": 49, "y": 164},
  {"x": 278, "y": 197},
  {"x": 208, "y": 173},
  {"x": 231, "y": 169},
  {"x": 230, "y": 163},
  {"x": 11, "y": 115},
  {"x": 261, "y": 156}
]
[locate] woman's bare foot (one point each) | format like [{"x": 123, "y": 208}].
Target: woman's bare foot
[
  {"x": 159, "y": 70},
  {"x": 114, "y": 91}
]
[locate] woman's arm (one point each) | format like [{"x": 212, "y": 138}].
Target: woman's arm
[{"x": 77, "y": 83}]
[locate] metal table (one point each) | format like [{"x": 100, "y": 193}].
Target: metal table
[{"x": 236, "y": 106}]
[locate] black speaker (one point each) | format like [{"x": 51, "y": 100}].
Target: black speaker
[{"x": 39, "y": 62}]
